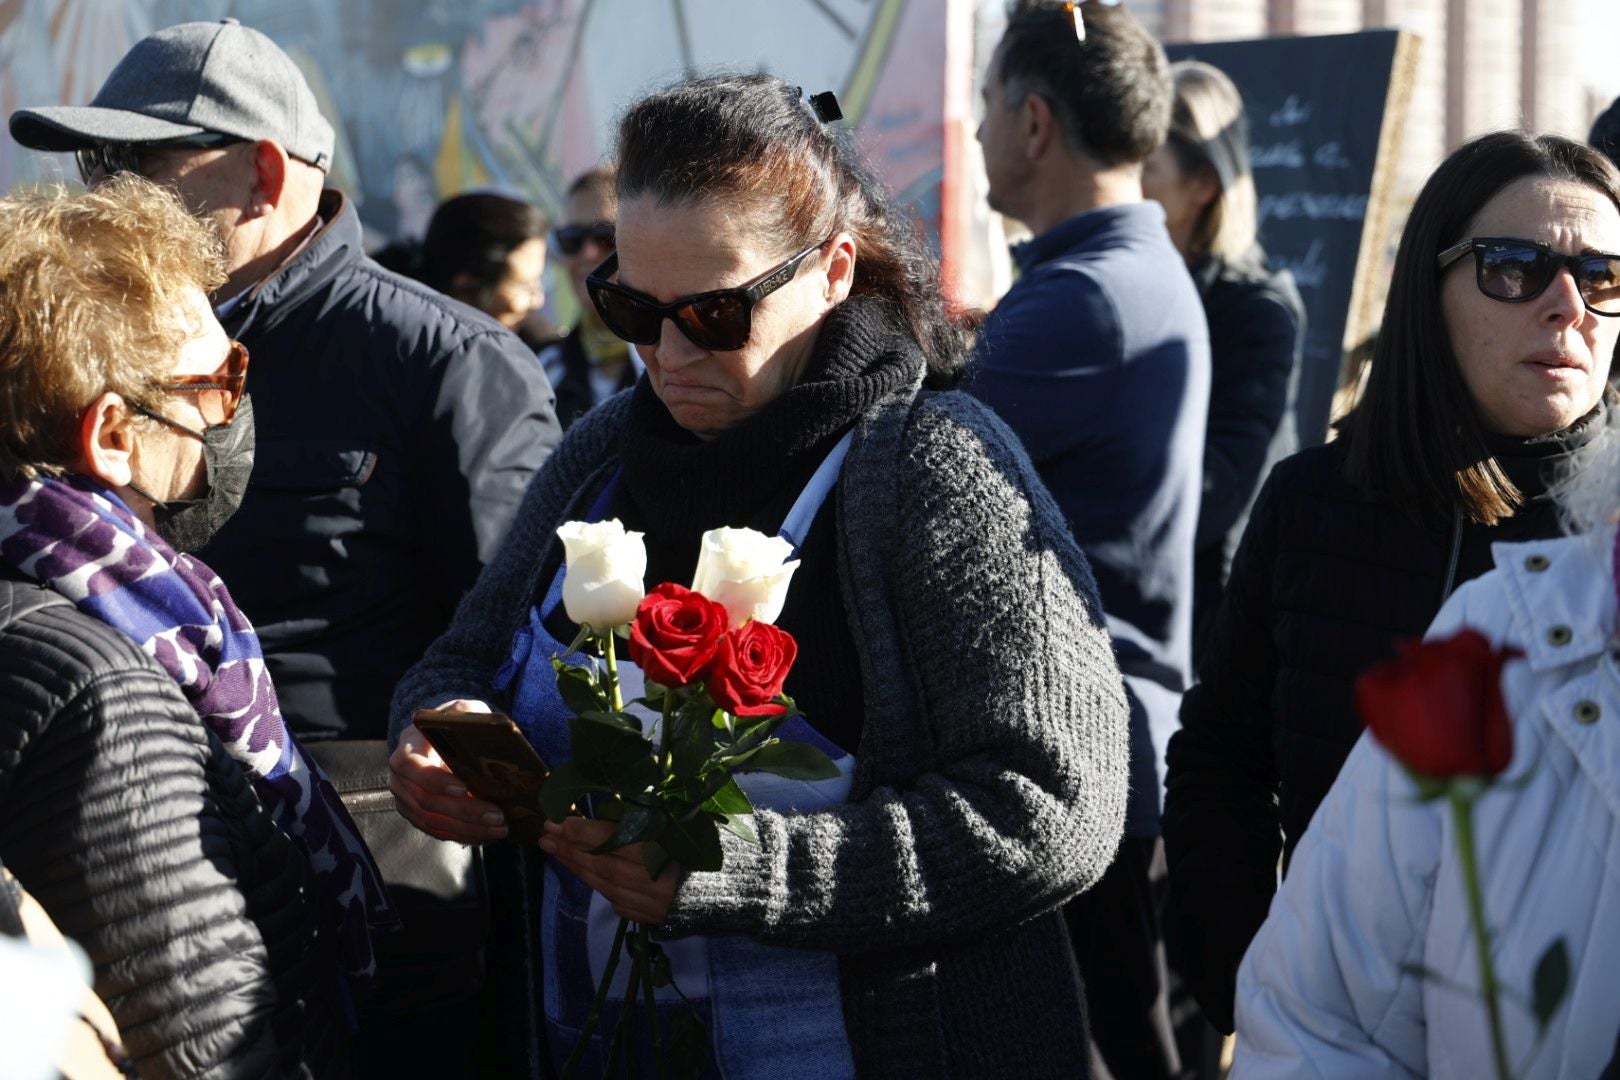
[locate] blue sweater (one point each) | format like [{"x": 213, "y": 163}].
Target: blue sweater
[{"x": 1098, "y": 357}]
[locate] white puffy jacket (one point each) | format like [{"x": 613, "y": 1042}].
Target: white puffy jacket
[{"x": 1374, "y": 885}]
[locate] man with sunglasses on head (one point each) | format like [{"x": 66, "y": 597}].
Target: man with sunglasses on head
[
  {"x": 397, "y": 429},
  {"x": 592, "y": 363},
  {"x": 1098, "y": 358}
]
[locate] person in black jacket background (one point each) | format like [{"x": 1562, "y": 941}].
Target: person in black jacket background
[
  {"x": 397, "y": 428},
  {"x": 1201, "y": 176},
  {"x": 151, "y": 797},
  {"x": 1490, "y": 367},
  {"x": 592, "y": 363}
]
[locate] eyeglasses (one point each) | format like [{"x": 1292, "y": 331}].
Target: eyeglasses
[
  {"x": 570, "y": 239},
  {"x": 217, "y": 395},
  {"x": 1514, "y": 271},
  {"x": 719, "y": 320},
  {"x": 113, "y": 157}
]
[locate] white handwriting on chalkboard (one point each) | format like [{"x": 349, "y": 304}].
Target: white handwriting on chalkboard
[
  {"x": 1293, "y": 111},
  {"x": 1330, "y": 156},
  {"x": 1283, "y": 155},
  {"x": 1307, "y": 204},
  {"x": 1309, "y": 271}
]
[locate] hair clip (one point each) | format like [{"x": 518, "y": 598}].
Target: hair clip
[
  {"x": 826, "y": 106},
  {"x": 1071, "y": 8}
]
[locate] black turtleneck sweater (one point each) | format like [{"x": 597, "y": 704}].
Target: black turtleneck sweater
[
  {"x": 1325, "y": 583},
  {"x": 675, "y": 486}
]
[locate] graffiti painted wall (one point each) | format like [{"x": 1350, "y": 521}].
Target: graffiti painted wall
[{"x": 433, "y": 97}]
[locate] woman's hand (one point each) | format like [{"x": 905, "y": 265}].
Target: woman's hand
[
  {"x": 433, "y": 798},
  {"x": 619, "y": 875}
]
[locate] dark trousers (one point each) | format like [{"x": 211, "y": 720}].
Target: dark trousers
[{"x": 1119, "y": 946}]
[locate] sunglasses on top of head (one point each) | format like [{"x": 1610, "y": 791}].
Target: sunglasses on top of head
[
  {"x": 110, "y": 158},
  {"x": 570, "y": 239},
  {"x": 719, "y": 320},
  {"x": 1514, "y": 271}
]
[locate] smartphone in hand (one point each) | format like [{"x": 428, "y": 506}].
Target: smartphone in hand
[{"x": 494, "y": 760}]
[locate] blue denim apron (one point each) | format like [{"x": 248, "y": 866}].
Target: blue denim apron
[{"x": 772, "y": 1013}]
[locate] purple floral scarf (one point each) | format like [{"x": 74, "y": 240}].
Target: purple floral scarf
[{"x": 79, "y": 539}]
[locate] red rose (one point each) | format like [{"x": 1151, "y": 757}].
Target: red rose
[
  {"x": 1437, "y": 706},
  {"x": 675, "y": 633},
  {"x": 749, "y": 668}
]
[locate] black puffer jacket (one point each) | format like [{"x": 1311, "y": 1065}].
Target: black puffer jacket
[
  {"x": 1325, "y": 582},
  {"x": 128, "y": 822}
]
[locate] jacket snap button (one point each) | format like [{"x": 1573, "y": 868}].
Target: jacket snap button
[
  {"x": 1536, "y": 563},
  {"x": 1559, "y": 635},
  {"x": 1587, "y": 712}
]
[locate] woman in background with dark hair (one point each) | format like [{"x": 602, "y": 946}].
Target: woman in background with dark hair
[
  {"x": 1256, "y": 319},
  {"x": 1490, "y": 368},
  {"x": 904, "y": 918},
  {"x": 485, "y": 250}
]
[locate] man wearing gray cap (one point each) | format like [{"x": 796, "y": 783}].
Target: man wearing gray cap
[{"x": 397, "y": 429}]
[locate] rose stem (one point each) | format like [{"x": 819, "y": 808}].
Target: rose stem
[
  {"x": 1462, "y": 815},
  {"x": 614, "y": 697},
  {"x": 595, "y": 1015},
  {"x": 622, "y": 1029},
  {"x": 651, "y": 999}
]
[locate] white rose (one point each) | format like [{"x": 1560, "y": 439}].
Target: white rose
[
  {"x": 605, "y": 570},
  {"x": 744, "y": 571}
]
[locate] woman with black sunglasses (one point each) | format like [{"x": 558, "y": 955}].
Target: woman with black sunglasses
[
  {"x": 1490, "y": 370},
  {"x": 950, "y": 639},
  {"x": 592, "y": 363}
]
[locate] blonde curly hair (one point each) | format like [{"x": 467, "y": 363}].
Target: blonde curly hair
[{"x": 89, "y": 286}]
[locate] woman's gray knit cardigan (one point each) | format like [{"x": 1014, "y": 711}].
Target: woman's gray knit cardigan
[{"x": 991, "y": 775}]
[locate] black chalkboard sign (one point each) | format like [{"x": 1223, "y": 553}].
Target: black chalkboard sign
[{"x": 1324, "y": 126}]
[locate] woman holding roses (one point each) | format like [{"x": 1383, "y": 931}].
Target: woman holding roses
[
  {"x": 951, "y": 653},
  {"x": 1490, "y": 370},
  {"x": 1369, "y": 963}
]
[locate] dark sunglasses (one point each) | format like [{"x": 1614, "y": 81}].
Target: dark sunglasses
[
  {"x": 110, "y": 158},
  {"x": 217, "y": 395},
  {"x": 1514, "y": 271},
  {"x": 719, "y": 320},
  {"x": 570, "y": 239}
]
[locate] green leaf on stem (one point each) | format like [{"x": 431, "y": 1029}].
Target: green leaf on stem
[
  {"x": 563, "y": 788},
  {"x": 579, "y": 689},
  {"x": 585, "y": 634},
  {"x": 794, "y": 760},
  {"x": 694, "y": 843},
  {"x": 654, "y": 858},
  {"x": 612, "y": 757},
  {"x": 690, "y": 753},
  {"x": 1551, "y": 981},
  {"x": 639, "y": 823},
  {"x": 729, "y": 801},
  {"x": 622, "y": 720}
]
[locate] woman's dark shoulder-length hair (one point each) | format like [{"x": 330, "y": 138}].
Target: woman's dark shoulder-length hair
[
  {"x": 1415, "y": 438},
  {"x": 755, "y": 140}
]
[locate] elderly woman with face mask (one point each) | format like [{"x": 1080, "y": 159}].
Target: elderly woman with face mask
[
  {"x": 951, "y": 650},
  {"x": 150, "y": 797}
]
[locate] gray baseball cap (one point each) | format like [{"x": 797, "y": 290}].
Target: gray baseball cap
[{"x": 195, "y": 78}]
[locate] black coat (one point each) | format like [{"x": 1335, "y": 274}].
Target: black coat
[
  {"x": 125, "y": 818},
  {"x": 397, "y": 430},
  {"x": 1325, "y": 582},
  {"x": 1256, "y": 335}
]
